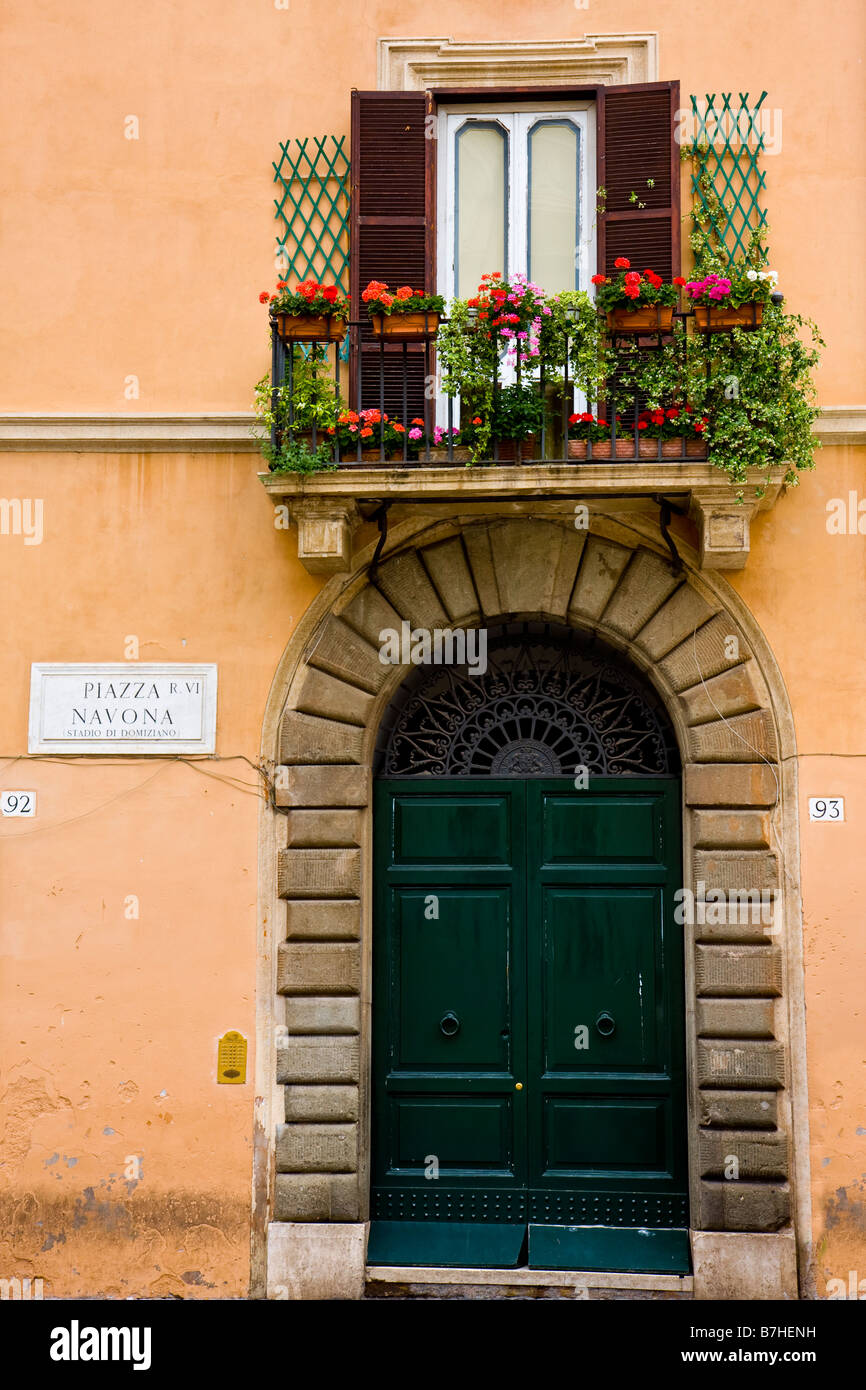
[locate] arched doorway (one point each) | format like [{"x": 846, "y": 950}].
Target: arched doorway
[
  {"x": 528, "y": 1072},
  {"x": 696, "y": 645}
]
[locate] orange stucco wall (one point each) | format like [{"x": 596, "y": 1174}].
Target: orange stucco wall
[{"x": 145, "y": 258}]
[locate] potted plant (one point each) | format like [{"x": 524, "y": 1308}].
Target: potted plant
[
  {"x": 733, "y": 300},
  {"x": 757, "y": 391},
  {"x": 679, "y": 428},
  {"x": 378, "y": 437},
  {"x": 516, "y": 421},
  {"x": 586, "y": 428},
  {"x": 636, "y": 302},
  {"x": 406, "y": 313},
  {"x": 460, "y": 444},
  {"x": 310, "y": 313}
]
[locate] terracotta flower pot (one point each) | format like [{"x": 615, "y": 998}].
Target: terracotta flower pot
[
  {"x": 307, "y": 328},
  {"x": 652, "y": 318},
  {"x": 461, "y": 453},
  {"x": 673, "y": 448},
  {"x": 718, "y": 319},
  {"x": 624, "y": 448},
  {"x": 375, "y": 455},
  {"x": 393, "y": 325},
  {"x": 577, "y": 448},
  {"x": 514, "y": 450}
]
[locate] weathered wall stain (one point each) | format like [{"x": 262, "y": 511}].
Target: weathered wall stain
[{"x": 177, "y": 1244}]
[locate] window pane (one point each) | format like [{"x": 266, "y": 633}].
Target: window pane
[
  {"x": 479, "y": 231},
  {"x": 553, "y": 205}
]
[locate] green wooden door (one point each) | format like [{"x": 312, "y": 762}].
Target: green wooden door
[{"x": 528, "y": 1102}]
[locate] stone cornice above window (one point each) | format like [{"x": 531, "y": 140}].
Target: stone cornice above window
[{"x": 412, "y": 65}]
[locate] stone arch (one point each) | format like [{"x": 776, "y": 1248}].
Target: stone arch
[{"x": 697, "y": 645}]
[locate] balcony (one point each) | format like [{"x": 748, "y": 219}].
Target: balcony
[{"x": 401, "y": 446}]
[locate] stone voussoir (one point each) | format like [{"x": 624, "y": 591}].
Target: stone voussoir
[
  {"x": 408, "y": 588},
  {"x": 715, "y": 647},
  {"x": 343, "y": 653},
  {"x": 449, "y": 571},
  {"x": 645, "y": 585},
  {"x": 601, "y": 567},
  {"x": 738, "y": 691},
  {"x": 305, "y": 738},
  {"x": 735, "y": 740},
  {"x": 328, "y": 697},
  {"x": 679, "y": 616}
]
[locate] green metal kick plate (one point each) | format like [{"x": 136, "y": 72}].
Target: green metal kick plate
[{"x": 624, "y": 1249}]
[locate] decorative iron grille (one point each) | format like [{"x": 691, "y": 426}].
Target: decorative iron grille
[{"x": 545, "y": 706}]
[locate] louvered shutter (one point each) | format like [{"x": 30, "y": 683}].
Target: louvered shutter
[
  {"x": 391, "y": 229},
  {"x": 636, "y": 149}
]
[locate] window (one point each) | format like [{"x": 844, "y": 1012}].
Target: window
[{"x": 515, "y": 189}]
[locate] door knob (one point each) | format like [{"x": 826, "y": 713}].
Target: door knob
[
  {"x": 605, "y": 1024},
  {"x": 449, "y": 1024}
]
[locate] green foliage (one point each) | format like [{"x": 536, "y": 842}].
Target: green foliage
[
  {"x": 299, "y": 456},
  {"x": 518, "y": 411},
  {"x": 756, "y": 386}
]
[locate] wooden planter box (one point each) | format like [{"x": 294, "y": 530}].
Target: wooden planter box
[
  {"x": 307, "y": 328},
  {"x": 719, "y": 320},
  {"x": 423, "y": 325},
  {"x": 653, "y": 318}
]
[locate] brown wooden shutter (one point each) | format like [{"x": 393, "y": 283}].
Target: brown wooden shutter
[
  {"x": 390, "y": 230},
  {"x": 635, "y": 142}
]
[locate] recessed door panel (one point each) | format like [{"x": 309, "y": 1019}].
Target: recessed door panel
[
  {"x": 600, "y": 1002},
  {"x": 595, "y": 830},
  {"x": 452, "y": 830},
  {"x": 622, "y": 1134},
  {"x": 452, "y": 952},
  {"x": 451, "y": 1136}
]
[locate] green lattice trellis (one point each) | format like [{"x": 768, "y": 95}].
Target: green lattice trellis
[
  {"x": 313, "y": 211},
  {"x": 727, "y": 146}
]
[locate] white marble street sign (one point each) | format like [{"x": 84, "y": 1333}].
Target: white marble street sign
[{"x": 123, "y": 708}]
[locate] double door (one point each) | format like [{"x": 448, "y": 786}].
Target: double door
[{"x": 528, "y": 1097}]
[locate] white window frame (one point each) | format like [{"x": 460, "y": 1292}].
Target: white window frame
[{"x": 517, "y": 118}]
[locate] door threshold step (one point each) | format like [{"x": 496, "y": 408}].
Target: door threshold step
[{"x": 532, "y": 1278}]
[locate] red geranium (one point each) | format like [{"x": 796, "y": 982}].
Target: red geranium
[{"x": 622, "y": 263}]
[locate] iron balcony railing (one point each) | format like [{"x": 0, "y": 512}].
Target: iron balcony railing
[{"x": 392, "y": 377}]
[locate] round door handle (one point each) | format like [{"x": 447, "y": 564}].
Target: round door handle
[
  {"x": 449, "y": 1024},
  {"x": 605, "y": 1024}
]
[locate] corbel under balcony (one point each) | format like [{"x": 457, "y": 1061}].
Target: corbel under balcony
[{"x": 327, "y": 507}]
